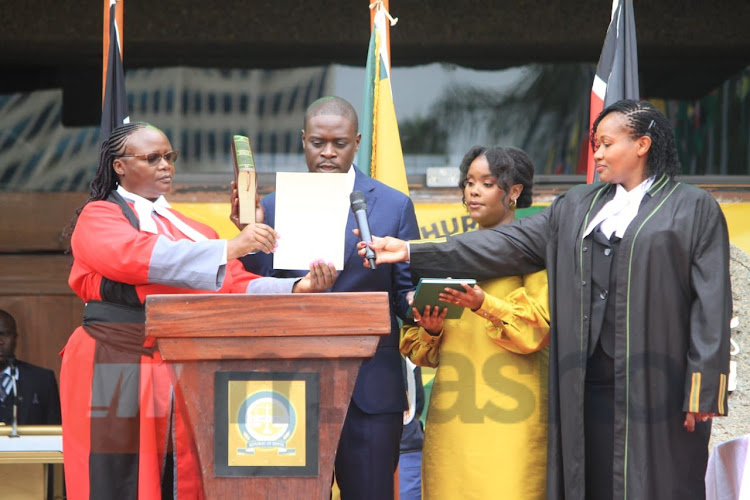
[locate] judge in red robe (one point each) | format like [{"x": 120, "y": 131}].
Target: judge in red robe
[{"x": 125, "y": 430}]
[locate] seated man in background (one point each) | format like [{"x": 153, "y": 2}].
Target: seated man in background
[{"x": 35, "y": 387}]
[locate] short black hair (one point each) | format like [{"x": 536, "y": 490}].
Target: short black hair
[
  {"x": 642, "y": 118},
  {"x": 510, "y": 166},
  {"x": 6, "y": 316},
  {"x": 332, "y": 105}
]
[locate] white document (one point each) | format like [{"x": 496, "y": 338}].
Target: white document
[{"x": 311, "y": 213}]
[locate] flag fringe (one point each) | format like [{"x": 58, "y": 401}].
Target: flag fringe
[{"x": 379, "y": 6}]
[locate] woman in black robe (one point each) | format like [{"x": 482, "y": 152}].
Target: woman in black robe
[{"x": 640, "y": 300}]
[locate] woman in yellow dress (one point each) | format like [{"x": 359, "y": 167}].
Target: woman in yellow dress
[{"x": 486, "y": 429}]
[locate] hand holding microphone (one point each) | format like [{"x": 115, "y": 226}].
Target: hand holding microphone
[{"x": 359, "y": 207}]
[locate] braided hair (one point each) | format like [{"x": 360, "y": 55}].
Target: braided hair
[
  {"x": 105, "y": 180},
  {"x": 643, "y": 119},
  {"x": 510, "y": 166}
]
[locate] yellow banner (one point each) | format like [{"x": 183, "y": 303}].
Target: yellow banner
[{"x": 443, "y": 219}]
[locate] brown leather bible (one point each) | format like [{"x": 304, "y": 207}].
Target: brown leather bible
[{"x": 244, "y": 176}]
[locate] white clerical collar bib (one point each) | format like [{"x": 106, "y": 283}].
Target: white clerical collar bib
[
  {"x": 145, "y": 208},
  {"x": 617, "y": 214}
]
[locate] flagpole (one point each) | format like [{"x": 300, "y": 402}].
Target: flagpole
[
  {"x": 374, "y": 6},
  {"x": 119, "y": 11},
  {"x": 384, "y": 4},
  {"x": 617, "y": 70},
  {"x": 114, "y": 97}
]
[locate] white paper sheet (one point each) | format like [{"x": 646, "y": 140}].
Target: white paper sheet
[{"x": 311, "y": 213}]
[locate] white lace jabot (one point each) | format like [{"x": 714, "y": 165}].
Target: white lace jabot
[{"x": 617, "y": 214}]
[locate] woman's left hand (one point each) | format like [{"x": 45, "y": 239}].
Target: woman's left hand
[
  {"x": 473, "y": 298},
  {"x": 321, "y": 277},
  {"x": 431, "y": 319},
  {"x": 692, "y": 417}
]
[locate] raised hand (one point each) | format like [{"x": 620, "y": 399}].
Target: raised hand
[{"x": 234, "y": 214}]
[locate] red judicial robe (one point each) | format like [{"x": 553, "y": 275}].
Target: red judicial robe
[{"x": 125, "y": 430}]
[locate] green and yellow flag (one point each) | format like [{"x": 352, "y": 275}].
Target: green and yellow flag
[{"x": 380, "y": 154}]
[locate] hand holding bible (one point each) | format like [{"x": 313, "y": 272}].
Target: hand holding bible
[{"x": 234, "y": 201}]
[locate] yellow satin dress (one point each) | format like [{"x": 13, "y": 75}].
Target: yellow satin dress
[{"x": 486, "y": 428}]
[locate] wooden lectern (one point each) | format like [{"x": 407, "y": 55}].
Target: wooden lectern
[{"x": 267, "y": 381}]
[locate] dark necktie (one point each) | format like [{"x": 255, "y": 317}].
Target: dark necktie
[{"x": 4, "y": 386}]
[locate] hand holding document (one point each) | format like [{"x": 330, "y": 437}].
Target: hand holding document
[{"x": 311, "y": 214}]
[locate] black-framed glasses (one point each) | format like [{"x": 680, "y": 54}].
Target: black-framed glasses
[{"x": 154, "y": 159}]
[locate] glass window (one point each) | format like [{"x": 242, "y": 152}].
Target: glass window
[
  {"x": 197, "y": 144},
  {"x": 156, "y": 101},
  {"x": 272, "y": 148},
  {"x": 292, "y": 99},
  {"x": 169, "y": 101},
  {"x": 185, "y": 102},
  {"x": 261, "y": 105},
  {"x": 212, "y": 144}
]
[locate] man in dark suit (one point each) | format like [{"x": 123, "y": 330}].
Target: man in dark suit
[
  {"x": 368, "y": 449},
  {"x": 37, "y": 398}
]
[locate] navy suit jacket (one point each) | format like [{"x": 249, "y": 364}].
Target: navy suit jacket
[
  {"x": 380, "y": 384},
  {"x": 39, "y": 399}
]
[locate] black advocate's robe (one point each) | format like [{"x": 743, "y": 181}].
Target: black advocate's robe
[{"x": 673, "y": 307}]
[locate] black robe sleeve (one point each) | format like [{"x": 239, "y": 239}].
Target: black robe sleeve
[
  {"x": 512, "y": 249},
  {"x": 707, "y": 357}
]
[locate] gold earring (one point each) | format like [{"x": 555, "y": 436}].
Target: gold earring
[{"x": 512, "y": 205}]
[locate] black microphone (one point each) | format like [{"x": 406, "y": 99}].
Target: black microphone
[{"x": 359, "y": 207}]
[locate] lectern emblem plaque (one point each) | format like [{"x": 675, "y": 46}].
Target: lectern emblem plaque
[
  {"x": 266, "y": 423},
  {"x": 267, "y": 420}
]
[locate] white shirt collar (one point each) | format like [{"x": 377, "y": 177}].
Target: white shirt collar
[
  {"x": 145, "y": 208},
  {"x": 7, "y": 371},
  {"x": 637, "y": 192}
]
